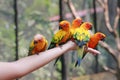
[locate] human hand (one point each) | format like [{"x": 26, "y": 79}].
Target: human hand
[
  {"x": 72, "y": 45},
  {"x": 93, "y": 51}
]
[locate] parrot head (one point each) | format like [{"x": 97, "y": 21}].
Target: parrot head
[
  {"x": 65, "y": 25},
  {"x": 38, "y": 38},
  {"x": 87, "y": 25},
  {"x": 77, "y": 22},
  {"x": 101, "y": 36}
]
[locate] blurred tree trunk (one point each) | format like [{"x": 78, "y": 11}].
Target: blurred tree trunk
[
  {"x": 16, "y": 27},
  {"x": 64, "y": 72},
  {"x": 95, "y": 30}
]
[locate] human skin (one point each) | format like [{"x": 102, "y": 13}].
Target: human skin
[{"x": 22, "y": 67}]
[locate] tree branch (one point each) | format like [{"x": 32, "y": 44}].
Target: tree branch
[
  {"x": 107, "y": 20},
  {"x": 109, "y": 49},
  {"x": 117, "y": 39},
  {"x": 72, "y": 9},
  {"x": 117, "y": 18},
  {"x": 106, "y": 14},
  {"x": 109, "y": 69},
  {"x": 101, "y": 3}
]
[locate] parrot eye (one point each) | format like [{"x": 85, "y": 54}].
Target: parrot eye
[
  {"x": 79, "y": 21},
  {"x": 40, "y": 40},
  {"x": 64, "y": 25},
  {"x": 103, "y": 39}
]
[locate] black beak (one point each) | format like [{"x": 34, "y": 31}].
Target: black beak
[
  {"x": 103, "y": 39},
  {"x": 82, "y": 22},
  {"x": 60, "y": 27},
  {"x": 35, "y": 42},
  {"x": 91, "y": 28}
]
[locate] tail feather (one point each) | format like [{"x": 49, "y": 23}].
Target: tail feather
[
  {"x": 84, "y": 55},
  {"x": 29, "y": 53},
  {"x": 56, "y": 61},
  {"x": 78, "y": 62},
  {"x": 52, "y": 45}
]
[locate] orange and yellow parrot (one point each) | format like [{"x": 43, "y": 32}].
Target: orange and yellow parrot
[
  {"x": 94, "y": 40},
  {"x": 75, "y": 24},
  {"x": 38, "y": 44},
  {"x": 62, "y": 35},
  {"x": 81, "y": 37}
]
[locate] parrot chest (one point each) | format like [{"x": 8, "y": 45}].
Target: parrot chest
[
  {"x": 66, "y": 37},
  {"x": 82, "y": 35},
  {"x": 39, "y": 47},
  {"x": 92, "y": 43}
]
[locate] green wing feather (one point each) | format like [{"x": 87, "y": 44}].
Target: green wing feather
[
  {"x": 31, "y": 47},
  {"x": 57, "y": 38}
]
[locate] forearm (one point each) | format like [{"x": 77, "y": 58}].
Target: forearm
[
  {"x": 17, "y": 69},
  {"x": 28, "y": 64},
  {"x": 34, "y": 62}
]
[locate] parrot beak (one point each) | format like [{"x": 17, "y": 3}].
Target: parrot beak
[
  {"x": 91, "y": 28},
  {"x": 103, "y": 39},
  {"x": 35, "y": 42},
  {"x": 82, "y": 22},
  {"x": 60, "y": 27}
]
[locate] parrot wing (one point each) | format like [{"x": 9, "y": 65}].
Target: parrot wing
[
  {"x": 57, "y": 38},
  {"x": 31, "y": 47},
  {"x": 45, "y": 45}
]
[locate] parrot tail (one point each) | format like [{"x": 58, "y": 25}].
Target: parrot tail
[
  {"x": 52, "y": 45},
  {"x": 56, "y": 61},
  {"x": 78, "y": 62},
  {"x": 29, "y": 53}
]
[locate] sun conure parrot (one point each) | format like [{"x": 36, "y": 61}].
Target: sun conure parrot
[
  {"x": 81, "y": 37},
  {"x": 38, "y": 44},
  {"x": 62, "y": 35},
  {"x": 94, "y": 40},
  {"x": 75, "y": 24}
]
